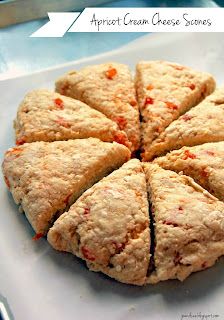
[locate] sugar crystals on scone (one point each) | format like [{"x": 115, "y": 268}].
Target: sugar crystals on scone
[
  {"x": 108, "y": 88},
  {"x": 188, "y": 225},
  {"x": 47, "y": 177},
  {"x": 48, "y": 116},
  {"x": 203, "y": 123},
  {"x": 108, "y": 226},
  {"x": 165, "y": 91}
]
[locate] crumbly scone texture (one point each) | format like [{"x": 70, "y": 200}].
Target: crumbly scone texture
[
  {"x": 46, "y": 177},
  {"x": 48, "y": 116},
  {"x": 108, "y": 226},
  {"x": 109, "y": 88},
  {"x": 188, "y": 224},
  {"x": 203, "y": 123},
  {"x": 165, "y": 91},
  {"x": 203, "y": 163}
]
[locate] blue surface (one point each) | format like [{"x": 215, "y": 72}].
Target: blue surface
[{"x": 19, "y": 53}]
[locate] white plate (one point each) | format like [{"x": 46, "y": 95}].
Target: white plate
[{"x": 40, "y": 283}]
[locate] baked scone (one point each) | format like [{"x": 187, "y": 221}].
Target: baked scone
[
  {"x": 108, "y": 88},
  {"x": 203, "y": 123},
  {"x": 108, "y": 226},
  {"x": 204, "y": 163},
  {"x": 48, "y": 116},
  {"x": 188, "y": 225},
  {"x": 47, "y": 177},
  {"x": 165, "y": 91}
]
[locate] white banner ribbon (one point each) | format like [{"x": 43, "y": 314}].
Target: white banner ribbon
[
  {"x": 134, "y": 20},
  {"x": 58, "y": 24}
]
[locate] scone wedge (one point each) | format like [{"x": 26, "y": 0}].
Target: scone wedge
[
  {"x": 45, "y": 178},
  {"x": 48, "y": 116},
  {"x": 165, "y": 91},
  {"x": 188, "y": 225},
  {"x": 203, "y": 123},
  {"x": 204, "y": 163},
  {"x": 108, "y": 226},
  {"x": 108, "y": 88}
]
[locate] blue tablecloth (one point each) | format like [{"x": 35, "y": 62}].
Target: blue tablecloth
[{"x": 19, "y": 53}]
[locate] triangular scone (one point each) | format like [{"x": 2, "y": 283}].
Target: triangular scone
[
  {"x": 108, "y": 88},
  {"x": 46, "y": 177},
  {"x": 203, "y": 123},
  {"x": 188, "y": 225},
  {"x": 165, "y": 91},
  {"x": 48, "y": 116},
  {"x": 204, "y": 163},
  {"x": 108, "y": 226}
]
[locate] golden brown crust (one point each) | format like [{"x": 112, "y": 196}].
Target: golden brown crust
[
  {"x": 108, "y": 224},
  {"x": 204, "y": 163},
  {"x": 165, "y": 91},
  {"x": 46, "y": 177},
  {"x": 108, "y": 88},
  {"x": 203, "y": 123},
  {"x": 188, "y": 222},
  {"x": 105, "y": 230},
  {"x": 48, "y": 116}
]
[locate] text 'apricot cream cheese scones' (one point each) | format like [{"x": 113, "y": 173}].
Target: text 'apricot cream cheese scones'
[
  {"x": 204, "y": 163},
  {"x": 108, "y": 226},
  {"x": 46, "y": 177},
  {"x": 108, "y": 88},
  {"x": 203, "y": 123},
  {"x": 48, "y": 116},
  {"x": 165, "y": 91},
  {"x": 188, "y": 225}
]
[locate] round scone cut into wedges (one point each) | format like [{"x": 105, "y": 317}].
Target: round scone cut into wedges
[
  {"x": 46, "y": 177},
  {"x": 204, "y": 163},
  {"x": 188, "y": 225},
  {"x": 48, "y": 116},
  {"x": 165, "y": 91},
  {"x": 108, "y": 226},
  {"x": 108, "y": 88},
  {"x": 203, "y": 123}
]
